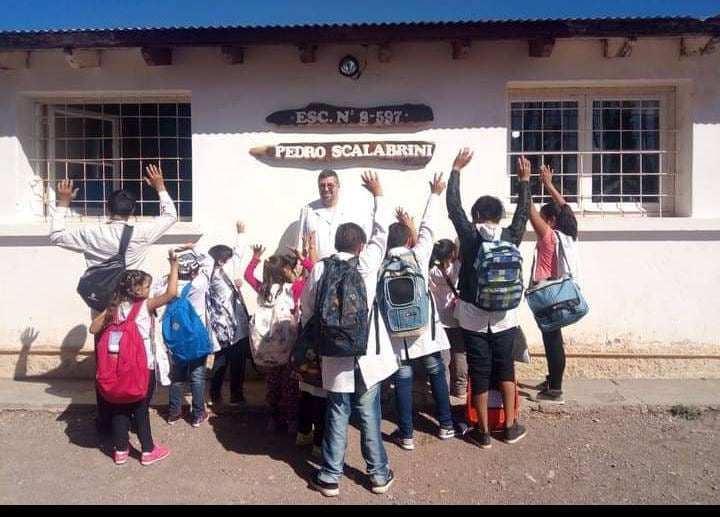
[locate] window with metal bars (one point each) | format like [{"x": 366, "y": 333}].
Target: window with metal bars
[
  {"x": 612, "y": 151},
  {"x": 105, "y": 146}
]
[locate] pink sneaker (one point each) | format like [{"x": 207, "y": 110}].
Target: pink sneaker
[
  {"x": 120, "y": 457},
  {"x": 159, "y": 453}
]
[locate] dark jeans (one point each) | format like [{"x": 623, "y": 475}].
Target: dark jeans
[
  {"x": 311, "y": 413},
  {"x": 555, "y": 353},
  {"x": 179, "y": 374},
  {"x": 233, "y": 356},
  {"x": 435, "y": 369},
  {"x": 489, "y": 356},
  {"x": 120, "y": 415}
]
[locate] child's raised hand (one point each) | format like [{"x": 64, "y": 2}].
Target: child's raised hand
[
  {"x": 546, "y": 174},
  {"x": 437, "y": 185},
  {"x": 463, "y": 157},
  {"x": 172, "y": 257},
  {"x": 524, "y": 168},
  {"x": 240, "y": 226},
  {"x": 257, "y": 250}
]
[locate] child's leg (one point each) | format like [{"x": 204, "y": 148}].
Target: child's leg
[
  {"x": 178, "y": 375},
  {"x": 479, "y": 360},
  {"x": 119, "y": 415},
  {"x": 290, "y": 398},
  {"x": 503, "y": 369},
  {"x": 555, "y": 353},
  {"x": 273, "y": 391},
  {"x": 319, "y": 408},
  {"x": 305, "y": 413},
  {"x": 404, "y": 399},
  {"x": 237, "y": 357},
  {"x": 458, "y": 362},
  {"x": 141, "y": 412},
  {"x": 197, "y": 384},
  {"x": 435, "y": 368},
  {"x": 217, "y": 375}
]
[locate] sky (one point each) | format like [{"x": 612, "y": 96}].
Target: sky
[{"x": 83, "y": 14}]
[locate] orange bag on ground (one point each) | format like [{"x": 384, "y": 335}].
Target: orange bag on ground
[{"x": 496, "y": 411}]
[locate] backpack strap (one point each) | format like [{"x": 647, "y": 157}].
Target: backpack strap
[
  {"x": 561, "y": 249},
  {"x": 125, "y": 240},
  {"x": 432, "y": 315},
  {"x": 135, "y": 310},
  {"x": 449, "y": 283},
  {"x": 186, "y": 290},
  {"x": 376, "y": 313},
  {"x": 235, "y": 290},
  {"x": 531, "y": 280}
]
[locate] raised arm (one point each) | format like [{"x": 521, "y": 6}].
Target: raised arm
[
  {"x": 238, "y": 250},
  {"x": 522, "y": 210},
  {"x": 373, "y": 254},
  {"x": 249, "y": 276},
  {"x": 74, "y": 240},
  {"x": 546, "y": 175},
  {"x": 405, "y": 218},
  {"x": 539, "y": 225},
  {"x": 463, "y": 226},
  {"x": 168, "y": 213},
  {"x": 172, "y": 287}
]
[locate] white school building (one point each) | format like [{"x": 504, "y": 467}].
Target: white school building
[{"x": 627, "y": 111}]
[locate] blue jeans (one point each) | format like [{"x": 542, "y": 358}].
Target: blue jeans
[
  {"x": 366, "y": 406},
  {"x": 435, "y": 369},
  {"x": 179, "y": 374}
]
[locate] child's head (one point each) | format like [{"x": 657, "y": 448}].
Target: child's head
[
  {"x": 399, "y": 235},
  {"x": 188, "y": 266},
  {"x": 221, "y": 254},
  {"x": 278, "y": 269},
  {"x": 350, "y": 238},
  {"x": 132, "y": 285},
  {"x": 487, "y": 209},
  {"x": 560, "y": 218},
  {"x": 444, "y": 253}
]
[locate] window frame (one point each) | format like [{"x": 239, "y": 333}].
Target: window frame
[{"x": 585, "y": 97}]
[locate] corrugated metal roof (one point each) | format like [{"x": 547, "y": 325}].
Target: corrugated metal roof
[{"x": 360, "y": 32}]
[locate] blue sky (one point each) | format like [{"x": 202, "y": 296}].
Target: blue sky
[{"x": 66, "y": 14}]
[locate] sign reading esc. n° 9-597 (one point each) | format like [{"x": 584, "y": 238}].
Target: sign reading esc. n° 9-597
[{"x": 324, "y": 115}]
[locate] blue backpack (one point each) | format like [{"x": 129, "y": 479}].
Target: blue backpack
[
  {"x": 402, "y": 296},
  {"x": 341, "y": 310},
  {"x": 185, "y": 335},
  {"x": 499, "y": 272}
]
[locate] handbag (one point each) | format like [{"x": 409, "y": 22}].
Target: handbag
[{"x": 556, "y": 303}]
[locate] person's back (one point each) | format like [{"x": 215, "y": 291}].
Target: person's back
[{"x": 99, "y": 242}]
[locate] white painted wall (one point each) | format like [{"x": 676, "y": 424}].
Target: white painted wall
[{"x": 646, "y": 280}]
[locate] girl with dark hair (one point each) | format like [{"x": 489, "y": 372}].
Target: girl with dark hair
[
  {"x": 280, "y": 285},
  {"x": 443, "y": 284},
  {"x": 132, "y": 296},
  {"x": 555, "y": 226}
]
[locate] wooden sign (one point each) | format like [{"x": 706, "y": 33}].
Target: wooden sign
[
  {"x": 316, "y": 114},
  {"x": 405, "y": 153}
]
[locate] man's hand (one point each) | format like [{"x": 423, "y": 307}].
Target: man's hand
[
  {"x": 66, "y": 192},
  {"x": 258, "y": 250},
  {"x": 298, "y": 253},
  {"x": 310, "y": 247},
  {"x": 154, "y": 178},
  {"x": 523, "y": 168},
  {"x": 437, "y": 185},
  {"x": 172, "y": 257},
  {"x": 185, "y": 247},
  {"x": 546, "y": 174},
  {"x": 240, "y": 226},
  {"x": 462, "y": 159},
  {"x": 372, "y": 183}
]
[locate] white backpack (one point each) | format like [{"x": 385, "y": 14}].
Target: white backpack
[{"x": 273, "y": 328}]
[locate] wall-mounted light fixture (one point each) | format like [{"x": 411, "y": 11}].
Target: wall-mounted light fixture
[{"x": 349, "y": 67}]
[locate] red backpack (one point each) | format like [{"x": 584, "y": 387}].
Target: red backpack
[{"x": 121, "y": 370}]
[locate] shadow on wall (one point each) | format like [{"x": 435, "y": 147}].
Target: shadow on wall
[{"x": 72, "y": 365}]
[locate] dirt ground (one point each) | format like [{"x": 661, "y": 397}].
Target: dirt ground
[{"x": 602, "y": 456}]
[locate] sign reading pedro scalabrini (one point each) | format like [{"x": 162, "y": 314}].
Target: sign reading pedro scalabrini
[{"x": 406, "y": 153}]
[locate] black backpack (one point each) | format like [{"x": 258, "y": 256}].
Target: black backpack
[
  {"x": 98, "y": 283},
  {"x": 341, "y": 310}
]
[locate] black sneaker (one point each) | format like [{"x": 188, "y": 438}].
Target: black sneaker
[
  {"x": 215, "y": 398},
  {"x": 381, "y": 489},
  {"x": 237, "y": 400},
  {"x": 515, "y": 433},
  {"x": 479, "y": 438},
  {"x": 326, "y": 489},
  {"x": 544, "y": 384},
  {"x": 550, "y": 396}
]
